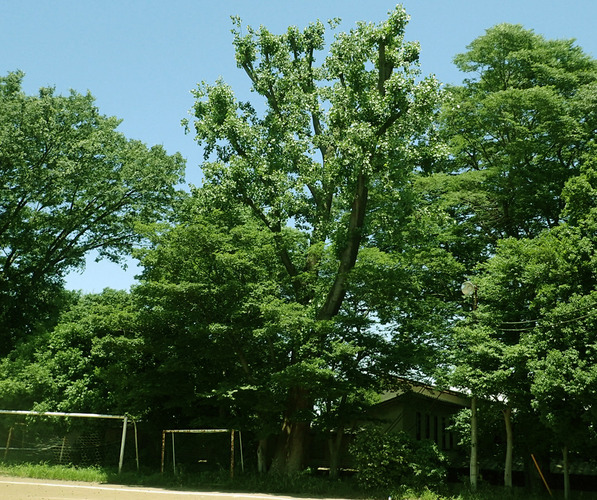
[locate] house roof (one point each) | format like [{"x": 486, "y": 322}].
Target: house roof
[{"x": 408, "y": 387}]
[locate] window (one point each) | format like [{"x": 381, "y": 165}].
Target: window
[{"x": 418, "y": 425}]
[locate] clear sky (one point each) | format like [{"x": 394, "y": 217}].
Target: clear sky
[{"x": 141, "y": 58}]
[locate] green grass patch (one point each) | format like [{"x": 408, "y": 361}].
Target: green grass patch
[{"x": 60, "y": 472}]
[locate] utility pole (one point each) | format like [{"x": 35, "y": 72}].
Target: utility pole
[{"x": 469, "y": 289}]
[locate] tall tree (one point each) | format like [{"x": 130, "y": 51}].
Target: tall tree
[
  {"x": 70, "y": 184},
  {"x": 331, "y": 138},
  {"x": 519, "y": 128},
  {"x": 539, "y": 296},
  {"x": 529, "y": 343}
]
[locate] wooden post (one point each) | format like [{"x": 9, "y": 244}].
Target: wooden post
[
  {"x": 231, "y": 453},
  {"x": 8, "y": 442},
  {"x": 163, "y": 450}
]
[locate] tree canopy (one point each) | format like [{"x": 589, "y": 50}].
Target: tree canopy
[
  {"x": 333, "y": 139},
  {"x": 519, "y": 129},
  {"x": 322, "y": 255},
  {"x": 71, "y": 183}
]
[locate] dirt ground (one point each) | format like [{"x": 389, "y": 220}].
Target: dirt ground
[{"x": 40, "y": 489}]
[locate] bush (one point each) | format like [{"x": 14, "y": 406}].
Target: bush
[{"x": 390, "y": 461}]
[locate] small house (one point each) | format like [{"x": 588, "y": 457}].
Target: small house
[{"x": 420, "y": 410}]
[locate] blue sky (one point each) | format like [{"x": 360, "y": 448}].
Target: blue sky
[{"x": 141, "y": 58}]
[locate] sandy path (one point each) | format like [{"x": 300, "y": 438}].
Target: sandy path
[{"x": 40, "y": 489}]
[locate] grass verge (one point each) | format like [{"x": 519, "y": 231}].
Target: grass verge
[{"x": 301, "y": 485}]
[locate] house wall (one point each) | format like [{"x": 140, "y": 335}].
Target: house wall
[{"x": 420, "y": 416}]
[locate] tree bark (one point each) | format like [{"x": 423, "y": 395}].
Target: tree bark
[
  {"x": 292, "y": 441},
  {"x": 348, "y": 255},
  {"x": 566, "y": 472},
  {"x": 474, "y": 465},
  {"x": 262, "y": 456},
  {"x": 509, "y": 447},
  {"x": 335, "y": 447}
]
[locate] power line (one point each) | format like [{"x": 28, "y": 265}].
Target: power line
[
  {"x": 536, "y": 320},
  {"x": 558, "y": 323}
]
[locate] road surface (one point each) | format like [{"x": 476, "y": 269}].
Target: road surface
[{"x": 41, "y": 489}]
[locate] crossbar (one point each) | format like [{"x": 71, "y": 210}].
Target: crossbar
[
  {"x": 60, "y": 414},
  {"x": 195, "y": 431}
]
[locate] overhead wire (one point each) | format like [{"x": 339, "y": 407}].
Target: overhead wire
[
  {"x": 536, "y": 320},
  {"x": 553, "y": 324}
]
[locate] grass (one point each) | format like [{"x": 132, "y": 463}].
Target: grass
[
  {"x": 60, "y": 472},
  {"x": 304, "y": 485}
]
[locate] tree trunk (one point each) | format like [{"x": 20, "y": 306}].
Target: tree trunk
[
  {"x": 474, "y": 466},
  {"x": 566, "y": 472},
  {"x": 262, "y": 456},
  {"x": 509, "y": 447},
  {"x": 335, "y": 446},
  {"x": 292, "y": 441}
]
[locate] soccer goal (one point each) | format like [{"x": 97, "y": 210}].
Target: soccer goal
[
  {"x": 210, "y": 448},
  {"x": 66, "y": 438}
]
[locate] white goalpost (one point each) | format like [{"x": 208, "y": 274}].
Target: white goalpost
[{"x": 30, "y": 413}]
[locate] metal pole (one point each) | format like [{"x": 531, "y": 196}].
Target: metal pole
[
  {"x": 122, "y": 443},
  {"x": 242, "y": 458},
  {"x": 59, "y": 414},
  {"x": 173, "y": 455},
  {"x": 136, "y": 444}
]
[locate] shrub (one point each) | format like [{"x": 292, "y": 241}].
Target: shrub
[{"x": 392, "y": 460}]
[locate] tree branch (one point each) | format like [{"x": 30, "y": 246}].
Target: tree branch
[{"x": 350, "y": 251}]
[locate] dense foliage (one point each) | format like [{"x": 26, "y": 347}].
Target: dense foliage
[
  {"x": 523, "y": 137},
  {"x": 322, "y": 257},
  {"x": 387, "y": 460},
  {"x": 70, "y": 184}
]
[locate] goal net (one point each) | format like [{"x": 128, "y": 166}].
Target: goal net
[
  {"x": 80, "y": 439},
  {"x": 201, "y": 450}
]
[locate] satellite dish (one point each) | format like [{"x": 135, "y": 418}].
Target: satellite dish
[{"x": 468, "y": 288}]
